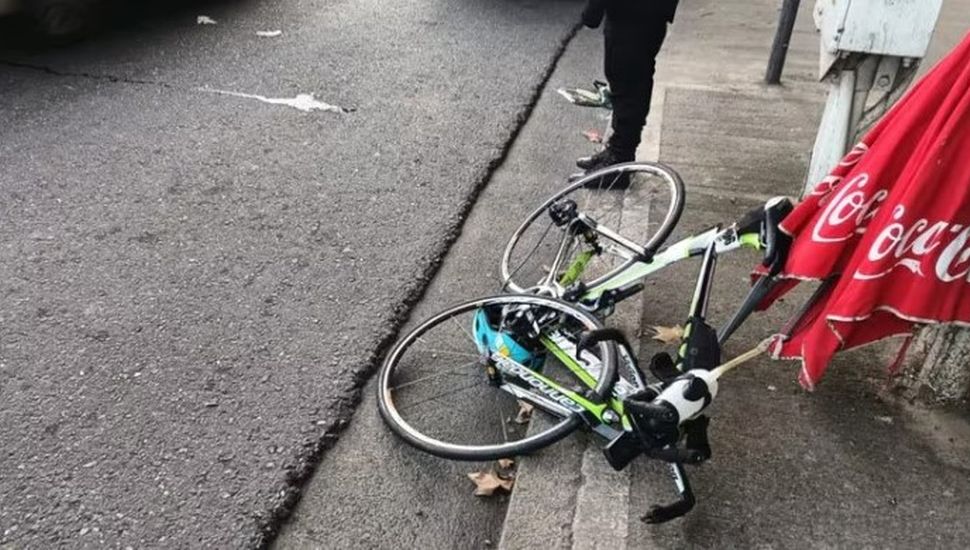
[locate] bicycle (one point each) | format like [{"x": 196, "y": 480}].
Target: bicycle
[{"x": 546, "y": 346}]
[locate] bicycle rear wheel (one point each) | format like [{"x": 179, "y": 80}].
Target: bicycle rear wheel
[
  {"x": 640, "y": 201},
  {"x": 442, "y": 389}
]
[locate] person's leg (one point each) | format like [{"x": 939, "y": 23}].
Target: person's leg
[
  {"x": 631, "y": 45},
  {"x": 632, "y": 48}
]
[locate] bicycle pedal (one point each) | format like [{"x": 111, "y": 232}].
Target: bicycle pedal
[{"x": 663, "y": 368}]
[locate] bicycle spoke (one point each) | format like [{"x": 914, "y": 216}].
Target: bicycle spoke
[
  {"x": 465, "y": 330},
  {"x": 529, "y": 255},
  {"x": 445, "y": 351},
  {"x": 435, "y": 375},
  {"x": 501, "y": 418},
  {"x": 439, "y": 396}
]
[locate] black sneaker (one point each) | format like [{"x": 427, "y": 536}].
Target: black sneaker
[
  {"x": 604, "y": 159},
  {"x": 607, "y": 157}
]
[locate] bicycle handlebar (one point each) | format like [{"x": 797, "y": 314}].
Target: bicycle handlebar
[{"x": 766, "y": 222}]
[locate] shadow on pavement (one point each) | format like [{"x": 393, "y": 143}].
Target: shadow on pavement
[{"x": 21, "y": 34}]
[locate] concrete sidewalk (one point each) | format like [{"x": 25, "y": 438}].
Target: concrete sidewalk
[{"x": 847, "y": 465}]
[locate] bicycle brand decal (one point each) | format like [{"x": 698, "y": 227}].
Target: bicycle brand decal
[{"x": 515, "y": 369}]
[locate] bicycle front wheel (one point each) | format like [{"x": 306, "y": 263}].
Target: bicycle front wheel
[
  {"x": 639, "y": 201},
  {"x": 442, "y": 391}
]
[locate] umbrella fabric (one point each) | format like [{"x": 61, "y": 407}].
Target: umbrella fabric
[{"x": 891, "y": 224}]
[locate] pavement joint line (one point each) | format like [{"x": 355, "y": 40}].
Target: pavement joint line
[
  {"x": 704, "y": 189},
  {"x": 89, "y": 76},
  {"x": 650, "y": 148},
  {"x": 270, "y": 524},
  {"x": 735, "y": 87}
]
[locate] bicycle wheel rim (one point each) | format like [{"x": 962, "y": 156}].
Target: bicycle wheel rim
[
  {"x": 671, "y": 182},
  {"x": 416, "y": 437}
]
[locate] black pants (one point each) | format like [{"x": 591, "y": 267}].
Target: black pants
[{"x": 632, "y": 44}]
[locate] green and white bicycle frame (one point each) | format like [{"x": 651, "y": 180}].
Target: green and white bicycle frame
[{"x": 605, "y": 414}]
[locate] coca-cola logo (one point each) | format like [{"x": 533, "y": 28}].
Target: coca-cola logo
[
  {"x": 848, "y": 212},
  {"x": 912, "y": 246},
  {"x": 924, "y": 247},
  {"x": 847, "y": 205}
]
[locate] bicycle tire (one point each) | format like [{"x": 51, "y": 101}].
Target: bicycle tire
[
  {"x": 675, "y": 187},
  {"x": 531, "y": 443}
]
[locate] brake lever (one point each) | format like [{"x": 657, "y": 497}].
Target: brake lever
[{"x": 777, "y": 243}]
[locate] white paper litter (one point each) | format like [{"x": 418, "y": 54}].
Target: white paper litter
[
  {"x": 303, "y": 102},
  {"x": 205, "y": 20},
  {"x": 269, "y": 34}
]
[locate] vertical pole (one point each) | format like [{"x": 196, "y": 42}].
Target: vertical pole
[
  {"x": 779, "y": 49},
  {"x": 832, "y": 139}
]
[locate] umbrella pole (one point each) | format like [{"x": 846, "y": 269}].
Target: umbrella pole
[
  {"x": 743, "y": 358},
  {"x": 757, "y": 293}
]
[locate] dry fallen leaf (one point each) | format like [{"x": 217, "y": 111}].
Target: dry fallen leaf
[
  {"x": 486, "y": 483},
  {"x": 593, "y": 136},
  {"x": 524, "y": 414},
  {"x": 506, "y": 463},
  {"x": 668, "y": 335}
]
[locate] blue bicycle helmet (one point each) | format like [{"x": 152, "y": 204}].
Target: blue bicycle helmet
[{"x": 490, "y": 339}]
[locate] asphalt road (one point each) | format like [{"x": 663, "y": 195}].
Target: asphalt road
[{"x": 193, "y": 285}]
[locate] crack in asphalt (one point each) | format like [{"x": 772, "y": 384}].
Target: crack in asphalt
[
  {"x": 89, "y": 76},
  {"x": 270, "y": 524}
]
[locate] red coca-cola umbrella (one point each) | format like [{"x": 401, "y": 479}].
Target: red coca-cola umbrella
[{"x": 889, "y": 228}]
